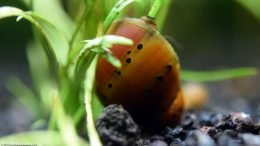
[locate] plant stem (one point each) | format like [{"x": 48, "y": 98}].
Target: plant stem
[
  {"x": 119, "y": 6},
  {"x": 81, "y": 21},
  {"x": 92, "y": 133},
  {"x": 155, "y": 9}
]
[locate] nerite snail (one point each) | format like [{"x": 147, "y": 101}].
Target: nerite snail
[{"x": 147, "y": 85}]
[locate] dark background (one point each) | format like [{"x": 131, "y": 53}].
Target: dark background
[{"x": 215, "y": 34}]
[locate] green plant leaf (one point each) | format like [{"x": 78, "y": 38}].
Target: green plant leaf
[
  {"x": 97, "y": 106},
  {"x": 47, "y": 138},
  {"x": 7, "y": 11},
  {"x": 97, "y": 45},
  {"x": 82, "y": 65},
  {"x": 160, "y": 19},
  {"x": 100, "y": 46},
  {"x": 107, "y": 41},
  {"x": 111, "y": 59},
  {"x": 52, "y": 10},
  {"x": 207, "y": 76},
  {"x": 25, "y": 96},
  {"x": 42, "y": 77},
  {"x": 89, "y": 83},
  {"x": 78, "y": 114},
  {"x": 73, "y": 86},
  {"x": 57, "y": 38},
  {"x": 28, "y": 3},
  {"x": 252, "y": 6},
  {"x": 64, "y": 122},
  {"x": 86, "y": 57},
  {"x": 119, "y": 6},
  {"x": 88, "y": 6},
  {"x": 155, "y": 9}
]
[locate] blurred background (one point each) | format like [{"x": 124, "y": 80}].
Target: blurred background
[
  {"x": 207, "y": 35},
  {"x": 219, "y": 34}
]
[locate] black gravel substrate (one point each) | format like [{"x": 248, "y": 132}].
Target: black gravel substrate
[{"x": 197, "y": 128}]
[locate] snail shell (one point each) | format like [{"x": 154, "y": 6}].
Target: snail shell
[{"x": 147, "y": 84}]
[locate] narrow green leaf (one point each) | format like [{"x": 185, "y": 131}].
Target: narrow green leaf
[
  {"x": 28, "y": 3},
  {"x": 42, "y": 77},
  {"x": 19, "y": 18},
  {"x": 97, "y": 106},
  {"x": 89, "y": 5},
  {"x": 98, "y": 45},
  {"x": 41, "y": 138},
  {"x": 162, "y": 15},
  {"x": 112, "y": 59},
  {"x": 106, "y": 41},
  {"x": 53, "y": 11},
  {"x": 25, "y": 96},
  {"x": 78, "y": 115},
  {"x": 39, "y": 123},
  {"x": 7, "y": 11},
  {"x": 78, "y": 76},
  {"x": 82, "y": 65},
  {"x": 119, "y": 6},
  {"x": 155, "y": 9},
  {"x": 207, "y": 76},
  {"x": 57, "y": 38},
  {"x": 64, "y": 122},
  {"x": 252, "y": 6},
  {"x": 89, "y": 83}
]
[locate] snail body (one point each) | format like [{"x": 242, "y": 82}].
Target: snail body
[{"x": 147, "y": 84}]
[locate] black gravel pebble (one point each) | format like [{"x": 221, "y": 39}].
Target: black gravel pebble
[
  {"x": 158, "y": 143},
  {"x": 239, "y": 122},
  {"x": 250, "y": 139},
  {"x": 198, "y": 138},
  {"x": 225, "y": 140},
  {"x": 207, "y": 128},
  {"x": 116, "y": 127},
  {"x": 173, "y": 134},
  {"x": 154, "y": 140},
  {"x": 197, "y": 128}
]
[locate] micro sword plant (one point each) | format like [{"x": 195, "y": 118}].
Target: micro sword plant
[{"x": 69, "y": 36}]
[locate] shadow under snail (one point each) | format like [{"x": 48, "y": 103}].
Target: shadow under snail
[{"x": 147, "y": 85}]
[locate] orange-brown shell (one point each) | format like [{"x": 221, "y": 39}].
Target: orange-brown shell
[{"x": 147, "y": 85}]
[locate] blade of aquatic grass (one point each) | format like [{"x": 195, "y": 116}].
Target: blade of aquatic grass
[
  {"x": 108, "y": 5},
  {"x": 252, "y": 6},
  {"x": 140, "y": 8},
  {"x": 162, "y": 15},
  {"x": 58, "y": 39},
  {"x": 78, "y": 115},
  {"x": 88, "y": 8},
  {"x": 73, "y": 87},
  {"x": 39, "y": 123},
  {"x": 28, "y": 3},
  {"x": 42, "y": 78},
  {"x": 97, "y": 106},
  {"x": 26, "y": 96},
  {"x": 48, "y": 68},
  {"x": 81, "y": 64},
  {"x": 98, "y": 45},
  {"x": 84, "y": 60},
  {"x": 64, "y": 122},
  {"x": 52, "y": 10},
  {"x": 119, "y": 6},
  {"x": 155, "y": 9},
  {"x": 218, "y": 75},
  {"x": 46, "y": 138},
  {"x": 7, "y": 11},
  {"x": 89, "y": 83}
]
